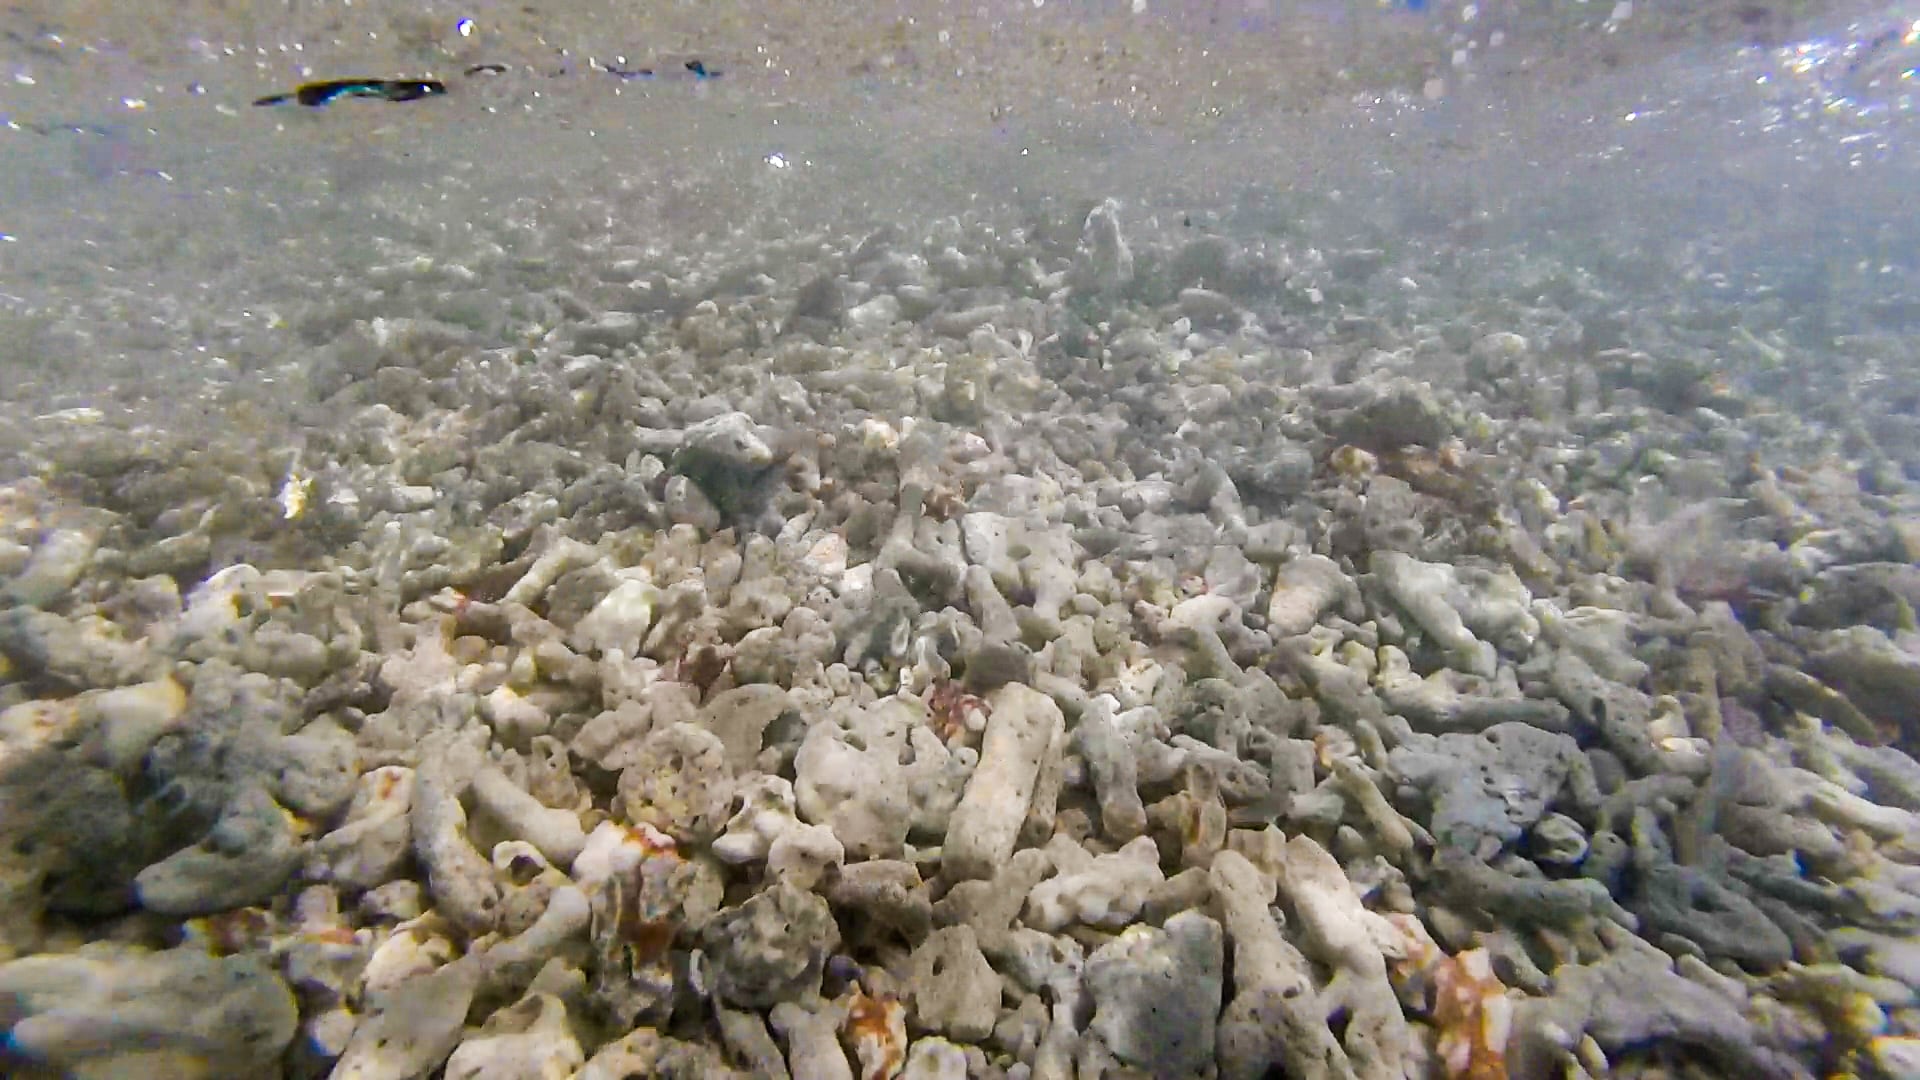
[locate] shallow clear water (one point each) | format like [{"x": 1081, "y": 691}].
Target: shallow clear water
[{"x": 1444, "y": 470}]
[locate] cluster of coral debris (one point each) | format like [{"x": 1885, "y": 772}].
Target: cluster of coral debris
[{"x": 1042, "y": 651}]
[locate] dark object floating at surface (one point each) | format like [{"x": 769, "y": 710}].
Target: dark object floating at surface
[
  {"x": 315, "y": 95},
  {"x": 696, "y": 68}
]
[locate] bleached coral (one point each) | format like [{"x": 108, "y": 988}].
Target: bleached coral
[
  {"x": 766, "y": 828},
  {"x": 1108, "y": 891},
  {"x": 984, "y": 828}
]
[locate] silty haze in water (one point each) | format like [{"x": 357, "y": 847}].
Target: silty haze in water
[{"x": 1061, "y": 540}]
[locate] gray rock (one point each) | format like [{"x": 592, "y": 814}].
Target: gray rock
[
  {"x": 771, "y": 949},
  {"x": 1104, "y": 263},
  {"x": 821, "y": 300},
  {"x": 1558, "y": 840},
  {"x": 732, "y": 465},
  {"x": 245, "y": 859},
  {"x": 317, "y": 769},
  {"x": 56, "y": 564},
  {"x": 955, "y": 991},
  {"x": 73, "y": 837},
  {"x": 1689, "y": 903},
  {"x": 108, "y": 1010},
  {"x": 740, "y": 717},
  {"x": 1489, "y": 788},
  {"x": 409, "y": 1030},
  {"x": 1402, "y": 413},
  {"x": 1282, "y": 471},
  {"x": 1632, "y": 999},
  {"x": 1156, "y": 994}
]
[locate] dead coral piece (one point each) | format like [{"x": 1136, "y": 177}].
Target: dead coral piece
[
  {"x": 1474, "y": 1017},
  {"x": 1014, "y": 650}
]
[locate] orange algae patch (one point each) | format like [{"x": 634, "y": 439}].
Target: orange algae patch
[
  {"x": 955, "y": 712},
  {"x": 876, "y": 1031},
  {"x": 1461, "y": 998},
  {"x": 1474, "y": 1015}
]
